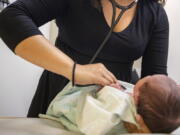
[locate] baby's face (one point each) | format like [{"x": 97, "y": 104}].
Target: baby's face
[{"x": 154, "y": 79}]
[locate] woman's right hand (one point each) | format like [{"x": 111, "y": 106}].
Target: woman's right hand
[{"x": 93, "y": 74}]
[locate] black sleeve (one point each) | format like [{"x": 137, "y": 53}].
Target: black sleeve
[
  {"x": 22, "y": 18},
  {"x": 155, "y": 57}
]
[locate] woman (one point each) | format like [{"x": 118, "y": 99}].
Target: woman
[{"x": 83, "y": 24}]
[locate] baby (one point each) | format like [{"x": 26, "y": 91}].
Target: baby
[{"x": 157, "y": 100}]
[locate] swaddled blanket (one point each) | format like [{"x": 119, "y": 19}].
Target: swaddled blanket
[{"x": 93, "y": 110}]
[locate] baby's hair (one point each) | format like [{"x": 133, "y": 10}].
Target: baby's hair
[{"x": 159, "y": 105}]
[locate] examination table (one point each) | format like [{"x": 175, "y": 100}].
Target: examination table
[{"x": 32, "y": 126}]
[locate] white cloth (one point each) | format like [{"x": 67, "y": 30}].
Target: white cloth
[{"x": 92, "y": 112}]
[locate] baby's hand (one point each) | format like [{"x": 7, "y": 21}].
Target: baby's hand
[
  {"x": 117, "y": 86},
  {"x": 133, "y": 129}
]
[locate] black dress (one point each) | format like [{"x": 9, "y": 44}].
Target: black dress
[{"x": 82, "y": 28}]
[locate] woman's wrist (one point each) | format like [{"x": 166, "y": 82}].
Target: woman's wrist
[{"x": 67, "y": 70}]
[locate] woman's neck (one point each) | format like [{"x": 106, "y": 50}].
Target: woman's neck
[{"x": 124, "y": 2}]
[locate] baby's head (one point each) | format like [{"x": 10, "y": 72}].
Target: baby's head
[{"x": 158, "y": 101}]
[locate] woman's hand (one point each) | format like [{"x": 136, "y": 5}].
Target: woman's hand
[
  {"x": 133, "y": 129},
  {"x": 93, "y": 74}
]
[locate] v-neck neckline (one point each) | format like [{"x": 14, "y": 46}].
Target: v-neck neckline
[{"x": 126, "y": 28}]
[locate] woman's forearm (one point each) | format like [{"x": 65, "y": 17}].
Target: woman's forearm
[{"x": 39, "y": 51}]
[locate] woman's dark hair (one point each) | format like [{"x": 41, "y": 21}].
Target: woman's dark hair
[{"x": 159, "y": 105}]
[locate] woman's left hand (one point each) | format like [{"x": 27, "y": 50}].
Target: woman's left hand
[{"x": 133, "y": 129}]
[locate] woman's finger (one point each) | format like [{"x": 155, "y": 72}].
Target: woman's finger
[
  {"x": 102, "y": 71},
  {"x": 103, "y": 81},
  {"x": 107, "y": 77},
  {"x": 112, "y": 76}
]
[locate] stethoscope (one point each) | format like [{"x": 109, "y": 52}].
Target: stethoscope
[{"x": 113, "y": 24}]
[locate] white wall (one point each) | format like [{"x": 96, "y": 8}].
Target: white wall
[
  {"x": 18, "y": 81},
  {"x": 173, "y": 12}
]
